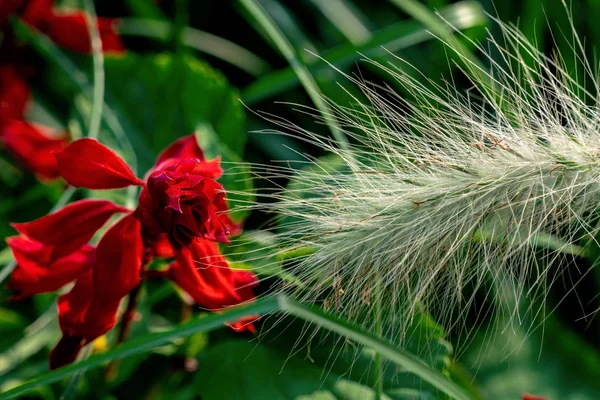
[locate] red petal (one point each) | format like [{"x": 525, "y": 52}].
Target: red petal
[
  {"x": 86, "y": 163},
  {"x": 14, "y": 94},
  {"x": 70, "y": 30},
  {"x": 186, "y": 147},
  {"x": 161, "y": 247},
  {"x": 34, "y": 274},
  {"x": 244, "y": 324},
  {"x": 36, "y": 12},
  {"x": 33, "y": 146},
  {"x": 527, "y": 396},
  {"x": 7, "y": 8},
  {"x": 111, "y": 41},
  {"x": 204, "y": 274},
  {"x": 65, "y": 351},
  {"x": 71, "y": 227},
  {"x": 82, "y": 318},
  {"x": 119, "y": 259}
]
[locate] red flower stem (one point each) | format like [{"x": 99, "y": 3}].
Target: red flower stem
[
  {"x": 124, "y": 329},
  {"x": 129, "y": 315}
]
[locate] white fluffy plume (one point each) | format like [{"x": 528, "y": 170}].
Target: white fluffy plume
[{"x": 448, "y": 194}]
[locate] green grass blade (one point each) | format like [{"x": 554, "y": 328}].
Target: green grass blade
[
  {"x": 261, "y": 307},
  {"x": 442, "y": 29},
  {"x": 8, "y": 267},
  {"x": 394, "y": 38},
  {"x": 98, "y": 64},
  {"x": 290, "y": 26},
  {"x": 145, "y": 9},
  {"x": 304, "y": 76},
  {"x": 146, "y": 343},
  {"x": 47, "y": 49},
  {"x": 350, "y": 24},
  {"x": 403, "y": 359},
  {"x": 201, "y": 41},
  {"x": 436, "y": 25}
]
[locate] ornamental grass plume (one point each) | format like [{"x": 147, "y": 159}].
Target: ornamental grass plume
[
  {"x": 444, "y": 197},
  {"x": 180, "y": 216}
]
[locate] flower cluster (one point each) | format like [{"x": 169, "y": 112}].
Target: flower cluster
[
  {"x": 181, "y": 214},
  {"x": 32, "y": 144}
]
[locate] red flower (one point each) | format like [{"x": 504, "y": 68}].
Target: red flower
[
  {"x": 69, "y": 29},
  {"x": 119, "y": 256},
  {"x": 8, "y": 8},
  {"x": 202, "y": 272},
  {"x": 86, "y": 163},
  {"x": 528, "y": 396},
  {"x": 14, "y": 94},
  {"x": 33, "y": 146},
  {"x": 36, "y": 274},
  {"x": 179, "y": 209},
  {"x": 83, "y": 317},
  {"x": 183, "y": 203},
  {"x": 71, "y": 227}
]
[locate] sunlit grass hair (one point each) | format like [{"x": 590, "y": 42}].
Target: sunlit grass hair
[{"x": 445, "y": 196}]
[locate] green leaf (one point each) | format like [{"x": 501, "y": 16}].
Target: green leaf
[
  {"x": 161, "y": 98},
  {"x": 10, "y": 320},
  {"x": 403, "y": 359},
  {"x": 264, "y": 20},
  {"x": 258, "y": 372},
  {"x": 553, "y": 362},
  {"x": 253, "y": 250},
  {"x": 313, "y": 315},
  {"x": 201, "y": 41},
  {"x": 393, "y": 38},
  {"x": 296, "y": 361},
  {"x": 147, "y": 343}
]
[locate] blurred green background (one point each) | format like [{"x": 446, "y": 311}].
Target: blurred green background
[{"x": 209, "y": 65}]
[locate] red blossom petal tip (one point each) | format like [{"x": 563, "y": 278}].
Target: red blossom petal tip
[{"x": 87, "y": 163}]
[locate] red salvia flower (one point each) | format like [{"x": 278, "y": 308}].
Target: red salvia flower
[
  {"x": 33, "y": 146},
  {"x": 86, "y": 163},
  {"x": 69, "y": 29},
  {"x": 37, "y": 273},
  {"x": 8, "y": 8},
  {"x": 71, "y": 227},
  {"x": 528, "y": 396},
  {"x": 203, "y": 273},
  {"x": 184, "y": 203},
  {"x": 83, "y": 317},
  {"x": 14, "y": 94},
  {"x": 181, "y": 213}
]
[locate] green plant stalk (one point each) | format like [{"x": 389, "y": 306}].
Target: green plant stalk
[
  {"x": 305, "y": 78},
  {"x": 378, "y": 331},
  {"x": 46, "y": 48},
  {"x": 441, "y": 28},
  {"x": 261, "y": 307},
  {"x": 400, "y": 36},
  {"x": 181, "y": 21},
  {"x": 98, "y": 63},
  {"x": 146, "y": 343},
  {"x": 198, "y": 40},
  {"x": 403, "y": 359}
]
